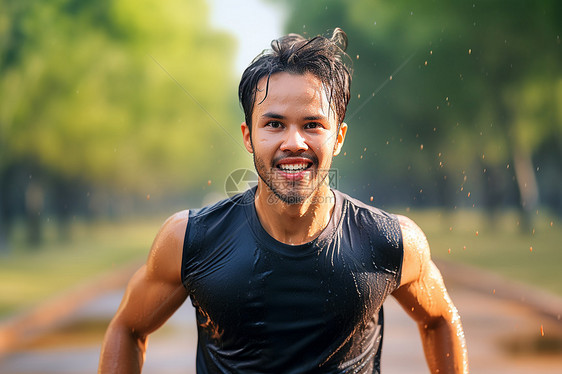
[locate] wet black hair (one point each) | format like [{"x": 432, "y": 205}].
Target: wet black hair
[{"x": 321, "y": 56}]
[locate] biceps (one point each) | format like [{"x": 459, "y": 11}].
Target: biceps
[
  {"x": 148, "y": 303},
  {"x": 426, "y": 299}
]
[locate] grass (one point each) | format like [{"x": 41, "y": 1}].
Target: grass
[
  {"x": 498, "y": 244},
  {"x": 28, "y": 276}
]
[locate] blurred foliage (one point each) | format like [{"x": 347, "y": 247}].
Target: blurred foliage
[
  {"x": 111, "y": 97},
  {"x": 109, "y": 106},
  {"x": 453, "y": 103}
]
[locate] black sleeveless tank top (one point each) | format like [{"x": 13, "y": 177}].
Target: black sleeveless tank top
[{"x": 263, "y": 306}]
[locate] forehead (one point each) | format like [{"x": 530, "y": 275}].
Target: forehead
[{"x": 291, "y": 90}]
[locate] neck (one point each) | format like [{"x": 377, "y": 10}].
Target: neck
[{"x": 294, "y": 223}]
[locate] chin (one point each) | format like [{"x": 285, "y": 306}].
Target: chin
[{"x": 291, "y": 199}]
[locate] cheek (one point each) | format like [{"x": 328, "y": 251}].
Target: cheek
[
  {"x": 265, "y": 147},
  {"x": 268, "y": 143},
  {"x": 326, "y": 147}
]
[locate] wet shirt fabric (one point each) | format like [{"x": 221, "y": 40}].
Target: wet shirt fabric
[{"x": 263, "y": 306}]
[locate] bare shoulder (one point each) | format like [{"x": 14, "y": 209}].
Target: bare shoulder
[
  {"x": 166, "y": 252},
  {"x": 416, "y": 250}
]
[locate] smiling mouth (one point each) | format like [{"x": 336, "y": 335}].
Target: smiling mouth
[{"x": 294, "y": 168}]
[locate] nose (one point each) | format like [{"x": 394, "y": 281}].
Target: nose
[{"x": 294, "y": 141}]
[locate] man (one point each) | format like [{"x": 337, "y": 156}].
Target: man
[{"x": 290, "y": 276}]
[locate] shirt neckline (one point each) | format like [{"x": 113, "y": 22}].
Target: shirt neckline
[{"x": 299, "y": 250}]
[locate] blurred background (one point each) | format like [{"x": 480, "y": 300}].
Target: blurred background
[{"x": 116, "y": 114}]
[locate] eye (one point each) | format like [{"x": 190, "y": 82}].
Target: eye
[
  {"x": 313, "y": 125},
  {"x": 274, "y": 124}
]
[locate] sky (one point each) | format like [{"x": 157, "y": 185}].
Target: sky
[{"x": 254, "y": 23}]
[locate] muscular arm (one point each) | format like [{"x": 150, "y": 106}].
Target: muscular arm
[
  {"x": 423, "y": 295},
  {"x": 153, "y": 294}
]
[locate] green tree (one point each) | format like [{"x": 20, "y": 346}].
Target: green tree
[
  {"x": 449, "y": 98},
  {"x": 117, "y": 95}
]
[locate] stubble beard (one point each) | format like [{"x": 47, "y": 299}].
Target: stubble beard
[{"x": 294, "y": 194}]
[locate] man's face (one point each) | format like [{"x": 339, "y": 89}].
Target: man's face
[{"x": 294, "y": 135}]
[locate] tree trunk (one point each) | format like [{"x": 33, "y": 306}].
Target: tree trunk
[
  {"x": 33, "y": 206},
  {"x": 528, "y": 188}
]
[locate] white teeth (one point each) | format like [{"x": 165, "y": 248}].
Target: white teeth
[{"x": 293, "y": 167}]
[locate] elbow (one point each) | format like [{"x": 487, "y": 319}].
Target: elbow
[{"x": 448, "y": 317}]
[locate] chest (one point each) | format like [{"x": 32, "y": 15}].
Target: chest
[{"x": 245, "y": 289}]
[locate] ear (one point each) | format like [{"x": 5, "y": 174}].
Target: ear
[
  {"x": 340, "y": 138},
  {"x": 246, "y": 137}
]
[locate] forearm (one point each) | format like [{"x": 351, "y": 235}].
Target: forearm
[
  {"x": 122, "y": 351},
  {"x": 444, "y": 346}
]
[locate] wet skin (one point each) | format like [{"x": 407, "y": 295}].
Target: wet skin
[
  {"x": 294, "y": 137},
  {"x": 292, "y": 126}
]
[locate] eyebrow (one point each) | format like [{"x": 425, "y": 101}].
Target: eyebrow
[
  {"x": 279, "y": 116},
  {"x": 273, "y": 115}
]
